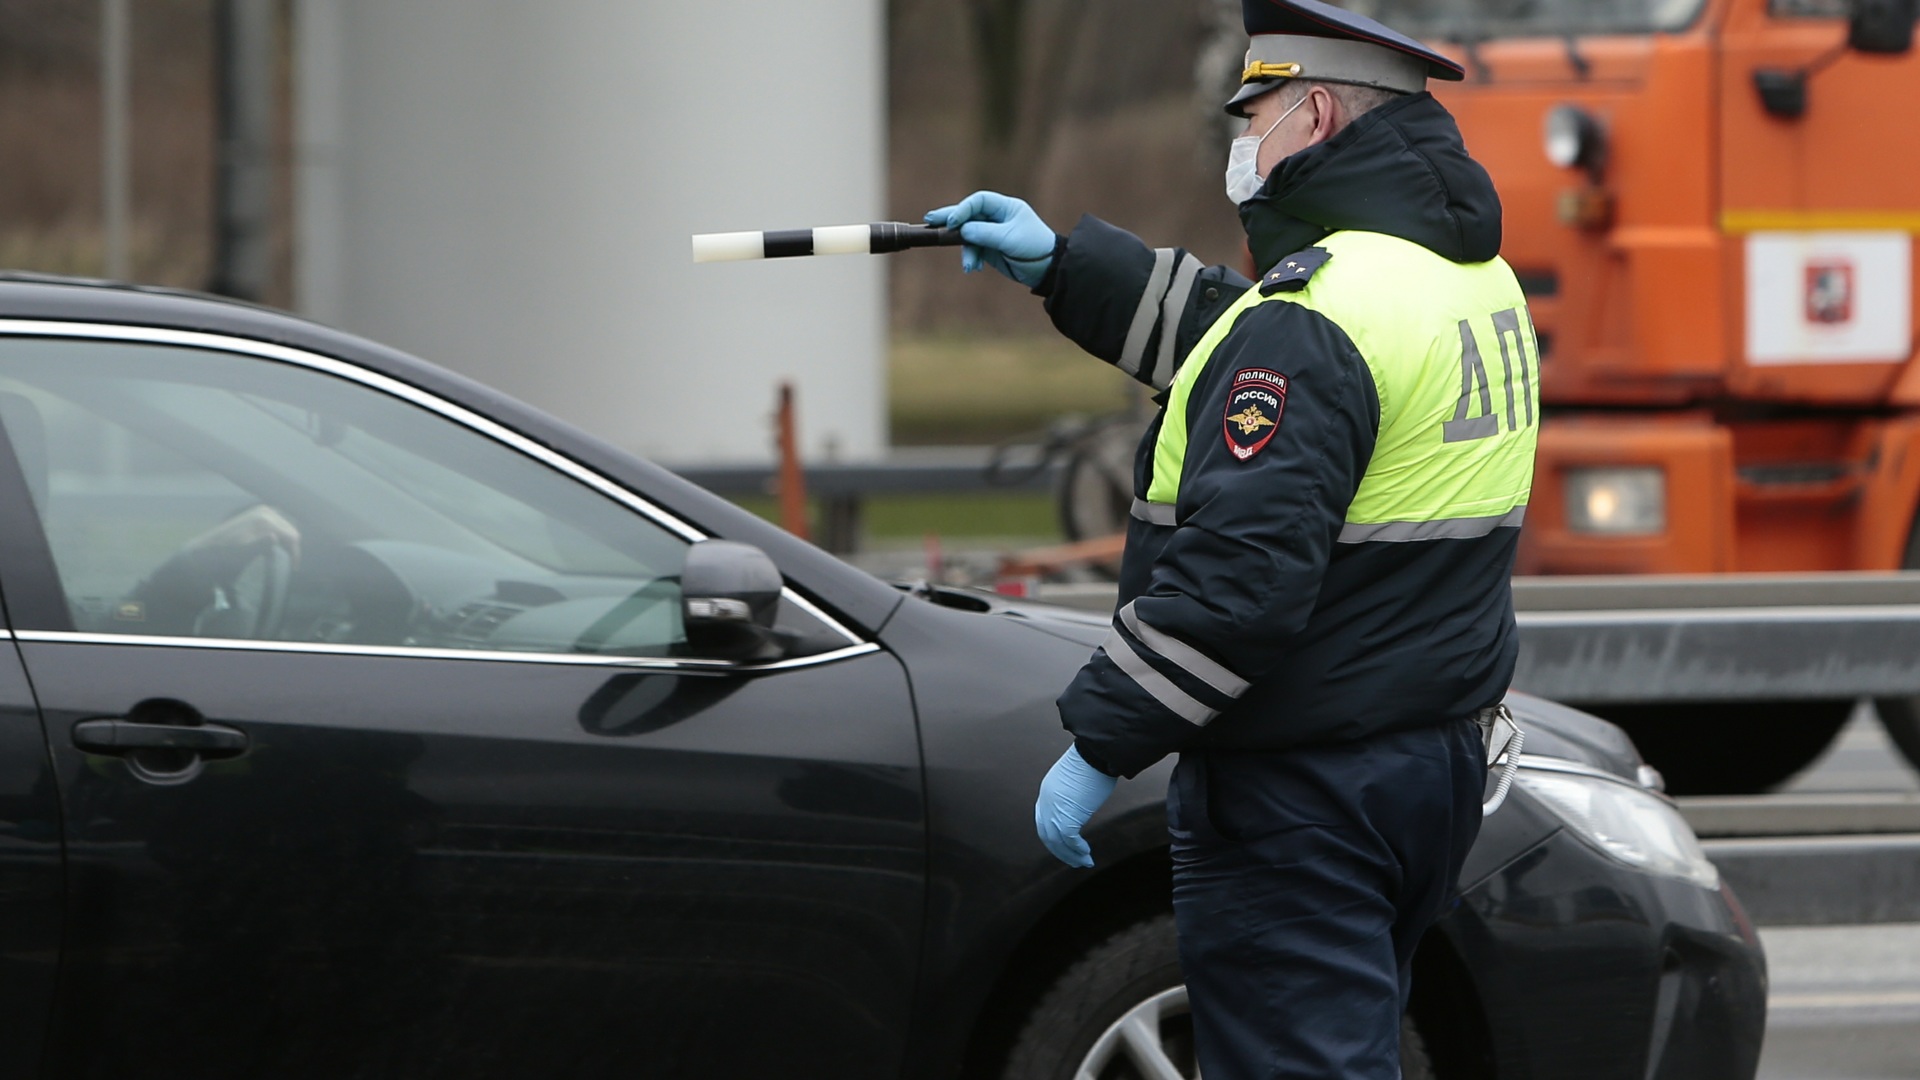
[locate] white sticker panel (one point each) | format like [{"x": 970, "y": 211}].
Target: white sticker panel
[{"x": 1829, "y": 297}]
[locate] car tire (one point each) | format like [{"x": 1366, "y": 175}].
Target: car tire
[{"x": 1124, "y": 998}]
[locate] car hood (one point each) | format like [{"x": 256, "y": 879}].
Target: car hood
[{"x": 1077, "y": 625}]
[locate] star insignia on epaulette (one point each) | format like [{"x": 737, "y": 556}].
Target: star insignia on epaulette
[{"x": 1292, "y": 273}]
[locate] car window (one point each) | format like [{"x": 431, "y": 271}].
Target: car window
[{"x": 209, "y": 494}]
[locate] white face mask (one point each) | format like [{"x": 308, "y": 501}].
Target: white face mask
[{"x": 1243, "y": 162}]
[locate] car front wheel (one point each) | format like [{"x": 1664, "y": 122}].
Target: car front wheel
[{"x": 1120, "y": 1012}]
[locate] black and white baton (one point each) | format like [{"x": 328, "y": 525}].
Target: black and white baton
[{"x": 879, "y": 238}]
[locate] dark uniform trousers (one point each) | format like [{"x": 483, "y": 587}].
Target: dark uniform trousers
[{"x": 1303, "y": 880}]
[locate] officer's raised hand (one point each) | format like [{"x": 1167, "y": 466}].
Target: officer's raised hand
[
  {"x": 1002, "y": 232},
  {"x": 1069, "y": 795}
]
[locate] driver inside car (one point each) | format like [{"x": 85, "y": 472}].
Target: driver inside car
[{"x": 197, "y": 591}]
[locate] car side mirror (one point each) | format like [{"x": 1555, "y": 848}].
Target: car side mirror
[
  {"x": 729, "y": 597},
  {"x": 1882, "y": 26}
]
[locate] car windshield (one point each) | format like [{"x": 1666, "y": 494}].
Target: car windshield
[{"x": 1479, "y": 20}]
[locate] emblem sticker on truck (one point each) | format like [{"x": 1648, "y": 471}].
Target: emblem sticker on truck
[
  {"x": 1254, "y": 405},
  {"x": 1832, "y": 297}
]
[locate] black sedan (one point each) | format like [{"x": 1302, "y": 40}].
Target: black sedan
[{"x": 361, "y": 722}]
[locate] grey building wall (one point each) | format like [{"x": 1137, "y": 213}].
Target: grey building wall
[{"x": 507, "y": 188}]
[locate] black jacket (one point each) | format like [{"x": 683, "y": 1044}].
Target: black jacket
[{"x": 1246, "y": 622}]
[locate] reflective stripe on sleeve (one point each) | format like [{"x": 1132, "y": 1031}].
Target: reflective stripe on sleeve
[
  {"x": 1178, "y": 701},
  {"x": 1184, "y": 656},
  {"x": 1394, "y": 532},
  {"x": 1154, "y": 513},
  {"x": 1170, "y": 309},
  {"x": 1145, "y": 315}
]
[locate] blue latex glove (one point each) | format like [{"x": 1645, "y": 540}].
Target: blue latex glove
[
  {"x": 1070, "y": 793},
  {"x": 1002, "y": 232}
]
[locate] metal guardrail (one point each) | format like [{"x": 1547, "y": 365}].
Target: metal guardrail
[
  {"x": 1823, "y": 880},
  {"x": 1858, "y": 813},
  {"x": 1815, "y": 859},
  {"x": 1715, "y": 591},
  {"x": 1754, "y": 637},
  {"x": 1826, "y": 859},
  {"x": 1727, "y": 638}
]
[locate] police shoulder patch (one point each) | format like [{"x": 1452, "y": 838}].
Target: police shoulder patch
[
  {"x": 1292, "y": 273},
  {"x": 1254, "y": 404}
]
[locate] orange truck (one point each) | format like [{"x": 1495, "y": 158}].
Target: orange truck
[{"x": 1712, "y": 205}]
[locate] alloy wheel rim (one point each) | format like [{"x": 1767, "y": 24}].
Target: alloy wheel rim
[{"x": 1138, "y": 1039}]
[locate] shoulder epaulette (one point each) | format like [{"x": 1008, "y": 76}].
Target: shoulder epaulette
[{"x": 1292, "y": 273}]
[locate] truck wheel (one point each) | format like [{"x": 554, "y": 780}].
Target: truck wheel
[
  {"x": 1901, "y": 716},
  {"x": 1726, "y": 747},
  {"x": 1120, "y": 1013}
]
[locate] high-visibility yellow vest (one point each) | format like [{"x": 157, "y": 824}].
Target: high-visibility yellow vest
[{"x": 1456, "y": 369}]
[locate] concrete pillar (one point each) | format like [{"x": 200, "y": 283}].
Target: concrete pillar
[{"x": 507, "y": 188}]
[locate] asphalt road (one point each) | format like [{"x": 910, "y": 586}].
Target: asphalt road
[{"x": 1845, "y": 1001}]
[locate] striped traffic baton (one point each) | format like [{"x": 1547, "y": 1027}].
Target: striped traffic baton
[{"x": 879, "y": 238}]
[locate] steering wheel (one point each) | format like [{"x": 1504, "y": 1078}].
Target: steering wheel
[
  {"x": 235, "y": 617},
  {"x": 272, "y": 610}
]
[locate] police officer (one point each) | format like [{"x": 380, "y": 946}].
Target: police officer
[{"x": 1314, "y": 600}]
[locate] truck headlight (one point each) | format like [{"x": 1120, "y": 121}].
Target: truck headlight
[
  {"x": 1622, "y": 501},
  {"x": 1627, "y": 824},
  {"x": 1574, "y": 138}
]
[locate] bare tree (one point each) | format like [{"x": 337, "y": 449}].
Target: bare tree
[{"x": 999, "y": 54}]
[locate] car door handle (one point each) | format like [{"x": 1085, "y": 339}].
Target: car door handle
[{"x": 115, "y": 736}]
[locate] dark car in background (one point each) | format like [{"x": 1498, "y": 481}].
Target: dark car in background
[{"x": 360, "y": 721}]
